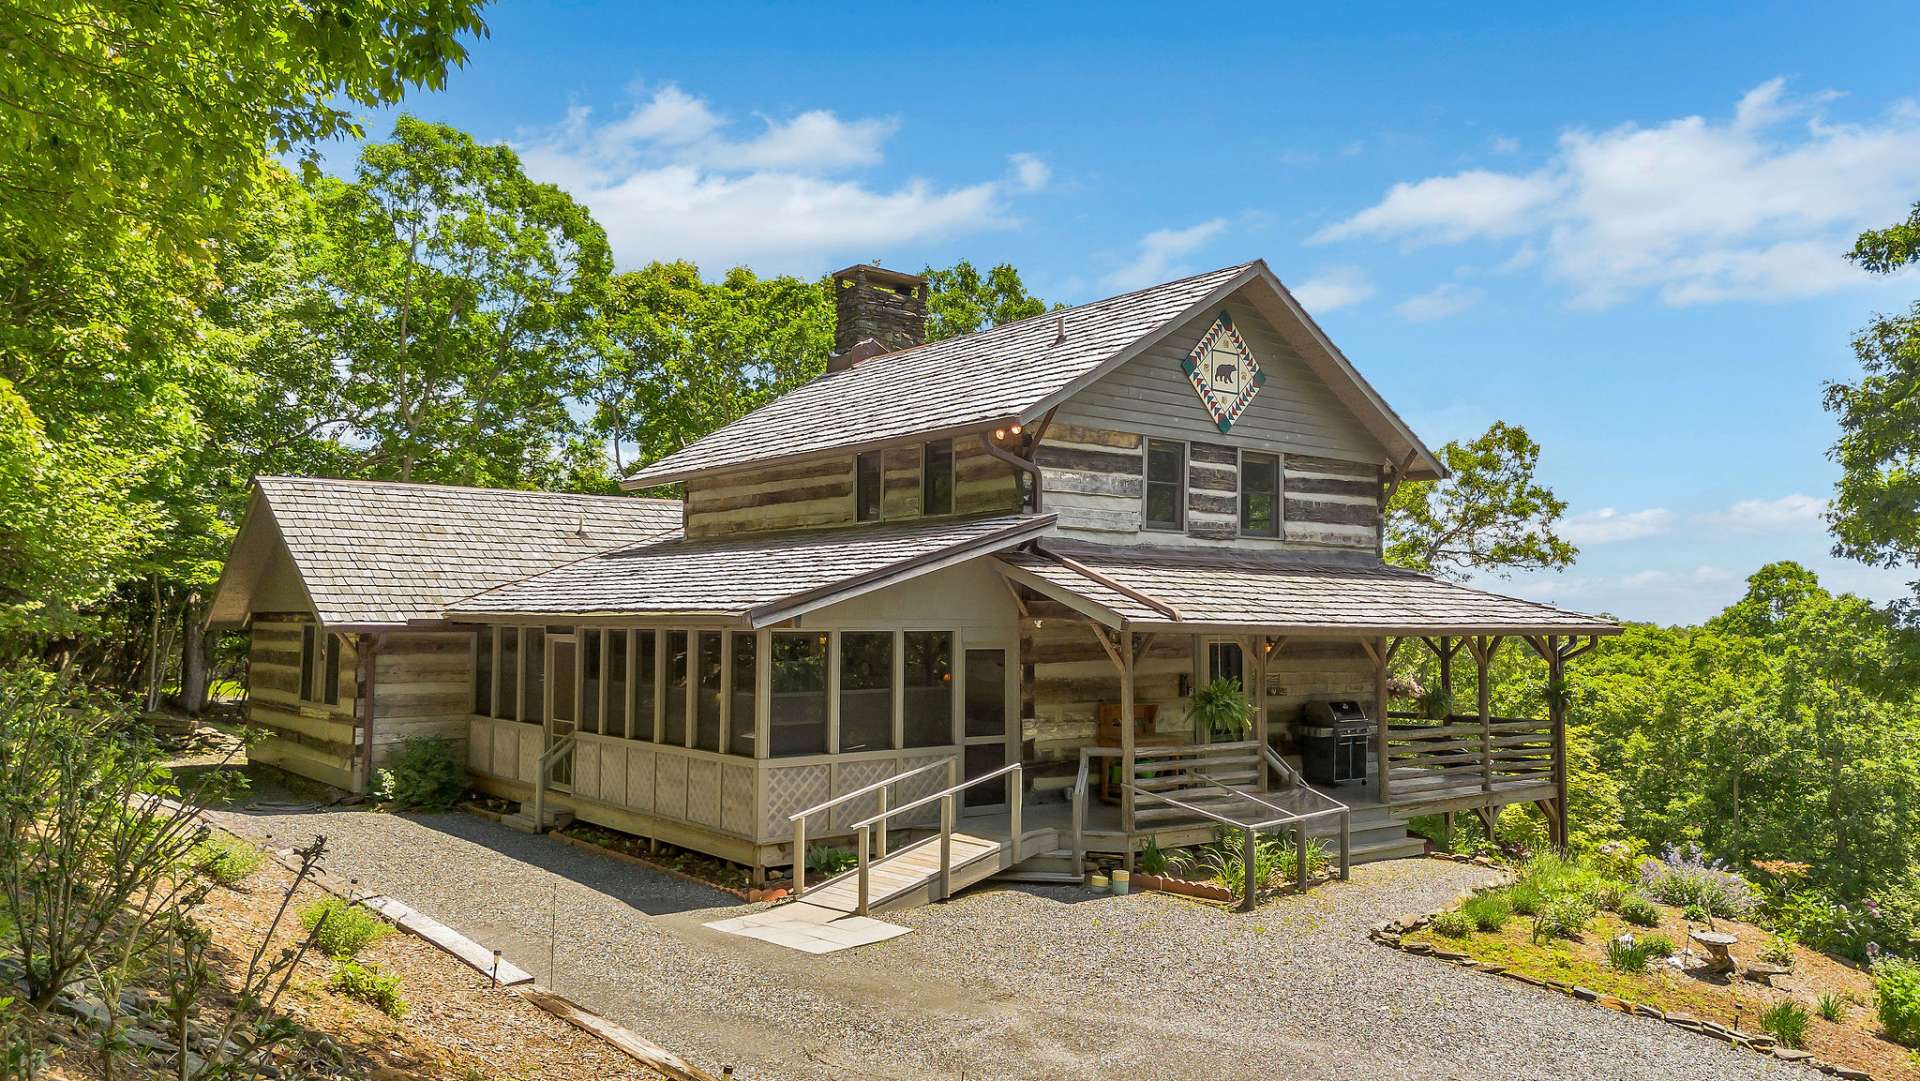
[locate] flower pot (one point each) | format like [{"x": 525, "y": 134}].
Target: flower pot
[{"x": 1121, "y": 881}]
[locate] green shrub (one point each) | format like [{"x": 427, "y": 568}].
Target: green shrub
[
  {"x": 1897, "y": 1000},
  {"x": 1625, "y": 954},
  {"x": 1695, "y": 913},
  {"x": 1526, "y": 899},
  {"x": 1831, "y": 1006},
  {"x": 1786, "y": 1021},
  {"x": 1638, "y": 911},
  {"x": 1488, "y": 911},
  {"x": 1565, "y": 916},
  {"x": 227, "y": 860},
  {"x": 1657, "y": 945},
  {"x": 1778, "y": 950},
  {"x": 369, "y": 985},
  {"x": 1608, "y": 895},
  {"x": 1454, "y": 924},
  {"x": 342, "y": 930},
  {"x": 825, "y": 861},
  {"x": 426, "y": 775},
  {"x": 1153, "y": 859}
]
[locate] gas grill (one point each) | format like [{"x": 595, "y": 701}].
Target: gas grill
[{"x": 1333, "y": 741}]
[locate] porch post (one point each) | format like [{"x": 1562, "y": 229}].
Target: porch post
[
  {"x": 1557, "y": 714},
  {"x": 1126, "y": 737},
  {"x": 1256, "y": 648},
  {"x": 1483, "y": 648},
  {"x": 1377, "y": 649}
]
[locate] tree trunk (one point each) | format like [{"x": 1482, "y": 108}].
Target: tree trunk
[
  {"x": 153, "y": 651},
  {"x": 193, "y": 661}
]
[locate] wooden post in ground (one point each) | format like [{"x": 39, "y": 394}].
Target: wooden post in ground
[
  {"x": 1377, "y": 652},
  {"x": 1557, "y": 715}
]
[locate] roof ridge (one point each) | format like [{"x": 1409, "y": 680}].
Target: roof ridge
[{"x": 426, "y": 485}]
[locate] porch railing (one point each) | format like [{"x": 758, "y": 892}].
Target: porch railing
[
  {"x": 945, "y": 797},
  {"x": 799, "y": 818},
  {"x": 1282, "y": 818},
  {"x": 543, "y": 771},
  {"x": 1462, "y": 754}
]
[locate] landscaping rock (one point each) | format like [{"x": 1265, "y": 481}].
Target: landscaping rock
[
  {"x": 1586, "y": 994},
  {"x": 1655, "y": 1012},
  {"x": 1791, "y": 1054}
]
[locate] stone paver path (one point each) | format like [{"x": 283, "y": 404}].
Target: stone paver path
[{"x": 1025, "y": 982}]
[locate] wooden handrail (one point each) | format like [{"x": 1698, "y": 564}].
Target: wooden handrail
[
  {"x": 799, "y": 818},
  {"x": 1251, "y": 830},
  {"x": 561, "y": 746},
  {"x": 945, "y": 796}
]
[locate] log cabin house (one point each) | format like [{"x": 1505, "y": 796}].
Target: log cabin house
[{"x": 926, "y": 591}]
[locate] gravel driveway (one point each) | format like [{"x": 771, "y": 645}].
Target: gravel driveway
[{"x": 1021, "y": 982}]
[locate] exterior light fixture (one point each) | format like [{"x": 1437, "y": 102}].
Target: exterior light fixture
[
  {"x": 999, "y": 433},
  {"x": 1015, "y": 429}
]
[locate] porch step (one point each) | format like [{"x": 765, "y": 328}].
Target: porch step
[
  {"x": 1377, "y": 851},
  {"x": 522, "y": 820},
  {"x": 1055, "y": 866}
]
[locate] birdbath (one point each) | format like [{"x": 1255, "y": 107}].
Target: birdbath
[{"x": 1717, "y": 944}]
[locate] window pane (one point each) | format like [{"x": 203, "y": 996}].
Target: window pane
[
  {"x": 936, "y": 486},
  {"x": 509, "y": 704},
  {"x": 799, "y": 706},
  {"x": 645, "y": 649},
  {"x": 986, "y": 692},
  {"x": 590, "y": 681},
  {"x": 616, "y": 683},
  {"x": 866, "y": 691},
  {"x": 306, "y": 662},
  {"x": 533, "y": 685},
  {"x": 566, "y": 665},
  {"x": 707, "y": 733},
  {"x": 483, "y": 671},
  {"x": 1163, "y": 505},
  {"x": 740, "y": 711},
  {"x": 330, "y": 689},
  {"x": 673, "y": 726},
  {"x": 929, "y": 688},
  {"x": 1164, "y": 461},
  {"x": 1259, "y": 492},
  {"x": 1225, "y": 661},
  {"x": 1166, "y": 483},
  {"x": 866, "y": 487}
]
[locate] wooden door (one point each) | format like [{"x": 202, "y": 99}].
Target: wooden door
[
  {"x": 990, "y": 729},
  {"x": 563, "y": 701}
]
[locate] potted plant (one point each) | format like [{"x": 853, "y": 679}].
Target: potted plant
[{"x": 1220, "y": 709}]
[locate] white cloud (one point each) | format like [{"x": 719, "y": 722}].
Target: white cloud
[
  {"x": 1607, "y": 525},
  {"x": 1503, "y": 144},
  {"x": 1756, "y": 206},
  {"x": 673, "y": 178},
  {"x": 1333, "y": 288},
  {"x": 1438, "y": 303},
  {"x": 1162, "y": 253},
  {"x": 1789, "y": 512},
  {"x": 1704, "y": 574}
]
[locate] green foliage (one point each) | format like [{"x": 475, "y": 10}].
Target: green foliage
[
  {"x": 1778, "y": 950},
  {"x": 1608, "y": 895},
  {"x": 1627, "y": 954},
  {"x": 368, "y": 984},
  {"x": 1153, "y": 859},
  {"x": 228, "y": 860},
  {"x": 1526, "y": 898},
  {"x": 340, "y": 929},
  {"x": 1786, "y": 1021},
  {"x": 427, "y": 775},
  {"x": 1657, "y": 945},
  {"x": 1225, "y": 861},
  {"x": 827, "y": 860},
  {"x": 1453, "y": 924},
  {"x": 1220, "y": 708},
  {"x": 1488, "y": 911},
  {"x": 960, "y": 300},
  {"x": 1831, "y": 1006},
  {"x": 1563, "y": 916},
  {"x": 1490, "y": 516},
  {"x": 1638, "y": 911},
  {"x": 1896, "y": 989}
]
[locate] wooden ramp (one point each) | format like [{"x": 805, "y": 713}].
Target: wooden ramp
[{"x": 910, "y": 877}]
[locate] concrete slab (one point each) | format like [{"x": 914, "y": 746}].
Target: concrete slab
[{"x": 809, "y": 928}]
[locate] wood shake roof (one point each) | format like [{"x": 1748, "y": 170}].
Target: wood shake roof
[
  {"x": 757, "y": 579},
  {"x": 385, "y": 553},
  {"x": 1173, "y": 589},
  {"x": 959, "y": 383}
]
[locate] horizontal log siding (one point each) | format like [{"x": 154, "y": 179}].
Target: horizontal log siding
[
  {"x": 310, "y": 739},
  {"x": 422, "y": 686},
  {"x": 1330, "y": 502},
  {"x": 819, "y": 493}
]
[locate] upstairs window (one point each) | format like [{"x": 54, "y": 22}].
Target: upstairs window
[
  {"x": 319, "y": 666},
  {"x": 1166, "y": 484},
  {"x": 1260, "y": 495},
  {"x": 867, "y": 476},
  {"x": 936, "y": 478}
]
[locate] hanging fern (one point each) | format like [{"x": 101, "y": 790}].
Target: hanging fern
[{"x": 1220, "y": 708}]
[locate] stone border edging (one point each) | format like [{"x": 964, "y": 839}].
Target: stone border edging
[
  {"x": 1391, "y": 933},
  {"x": 1205, "y": 891}
]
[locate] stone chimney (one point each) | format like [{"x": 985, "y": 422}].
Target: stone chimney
[{"x": 876, "y": 311}]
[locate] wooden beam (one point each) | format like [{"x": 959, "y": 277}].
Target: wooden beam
[
  {"x": 1126, "y": 740},
  {"x": 1378, "y": 651},
  {"x": 1256, "y": 661},
  {"x": 1113, "y": 651}
]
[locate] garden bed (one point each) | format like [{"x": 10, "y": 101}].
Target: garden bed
[{"x": 1683, "y": 991}]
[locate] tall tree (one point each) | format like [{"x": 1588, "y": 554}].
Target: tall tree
[
  {"x": 678, "y": 357},
  {"x": 961, "y": 300},
  {"x": 462, "y": 298},
  {"x": 1875, "y": 513},
  {"x": 1491, "y": 516}
]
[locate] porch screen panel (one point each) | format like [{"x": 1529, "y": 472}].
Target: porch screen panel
[
  {"x": 533, "y": 684},
  {"x": 740, "y": 715},
  {"x": 1260, "y": 495},
  {"x": 673, "y": 727},
  {"x": 589, "y": 681},
  {"x": 929, "y": 688},
  {"x": 866, "y": 691},
  {"x": 799, "y": 705},
  {"x": 706, "y": 734},
  {"x": 616, "y": 676},
  {"x": 483, "y": 671},
  {"x": 508, "y": 708},
  {"x": 646, "y": 647},
  {"x": 986, "y": 692}
]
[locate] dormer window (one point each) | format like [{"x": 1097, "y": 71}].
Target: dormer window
[
  {"x": 936, "y": 478},
  {"x": 866, "y": 487}
]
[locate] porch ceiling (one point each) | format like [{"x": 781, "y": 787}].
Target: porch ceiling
[{"x": 1203, "y": 591}]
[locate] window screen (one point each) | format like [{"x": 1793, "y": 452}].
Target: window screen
[
  {"x": 799, "y": 705},
  {"x": 740, "y": 710},
  {"x": 866, "y": 691},
  {"x": 929, "y": 688}
]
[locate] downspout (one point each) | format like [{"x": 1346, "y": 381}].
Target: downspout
[{"x": 1031, "y": 441}]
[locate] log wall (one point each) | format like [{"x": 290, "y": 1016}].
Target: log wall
[{"x": 311, "y": 739}]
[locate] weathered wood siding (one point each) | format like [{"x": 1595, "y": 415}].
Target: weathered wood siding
[
  {"x": 820, "y": 491},
  {"x": 1094, "y": 479},
  {"x": 422, "y": 686},
  {"x": 307, "y": 738}
]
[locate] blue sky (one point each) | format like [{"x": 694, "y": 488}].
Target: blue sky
[{"x": 1620, "y": 229}]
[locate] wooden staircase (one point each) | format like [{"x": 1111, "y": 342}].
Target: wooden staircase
[{"x": 909, "y": 877}]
